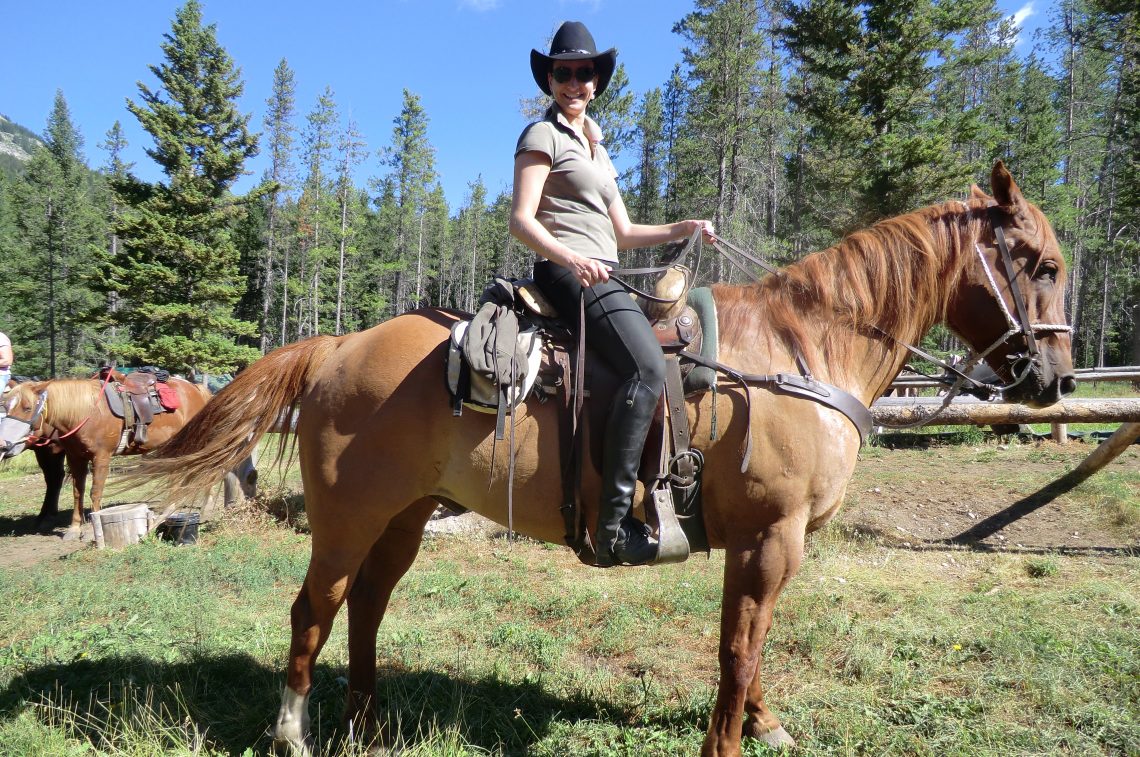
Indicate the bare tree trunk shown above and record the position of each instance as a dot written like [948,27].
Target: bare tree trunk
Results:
[340,265]
[474,248]
[1103,314]
[285,298]
[420,263]
[267,284]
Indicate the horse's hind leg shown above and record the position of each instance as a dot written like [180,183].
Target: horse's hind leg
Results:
[337,554]
[387,562]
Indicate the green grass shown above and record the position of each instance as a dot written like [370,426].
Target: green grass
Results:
[18,467]
[499,648]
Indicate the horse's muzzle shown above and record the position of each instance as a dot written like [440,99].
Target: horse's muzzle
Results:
[1042,385]
[13,437]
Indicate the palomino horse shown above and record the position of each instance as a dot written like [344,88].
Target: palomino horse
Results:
[50,459]
[73,417]
[379,445]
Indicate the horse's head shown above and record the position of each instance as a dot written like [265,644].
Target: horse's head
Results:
[1010,304]
[24,405]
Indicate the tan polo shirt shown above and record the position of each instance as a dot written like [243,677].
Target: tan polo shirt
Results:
[578,193]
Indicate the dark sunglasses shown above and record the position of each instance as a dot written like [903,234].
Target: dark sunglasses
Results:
[584,75]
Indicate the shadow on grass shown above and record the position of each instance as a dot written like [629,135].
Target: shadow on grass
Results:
[25,525]
[232,700]
[974,537]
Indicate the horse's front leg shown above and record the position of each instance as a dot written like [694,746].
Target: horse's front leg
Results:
[51,464]
[78,466]
[756,570]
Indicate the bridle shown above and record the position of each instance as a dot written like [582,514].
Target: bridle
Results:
[29,437]
[1021,364]
[40,414]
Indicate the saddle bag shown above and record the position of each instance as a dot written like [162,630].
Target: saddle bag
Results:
[477,389]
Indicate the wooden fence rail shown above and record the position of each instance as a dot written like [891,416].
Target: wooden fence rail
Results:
[1111,373]
[966,411]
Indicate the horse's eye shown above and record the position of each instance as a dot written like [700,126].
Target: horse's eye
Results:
[1048,271]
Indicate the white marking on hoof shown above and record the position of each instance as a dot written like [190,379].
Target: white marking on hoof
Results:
[778,738]
[72,533]
[292,729]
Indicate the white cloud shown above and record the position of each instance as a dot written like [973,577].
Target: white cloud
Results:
[1023,13]
[479,6]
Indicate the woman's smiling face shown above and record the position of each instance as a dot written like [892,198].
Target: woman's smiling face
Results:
[572,95]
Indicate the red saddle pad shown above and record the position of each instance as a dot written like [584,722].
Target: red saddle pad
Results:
[168,397]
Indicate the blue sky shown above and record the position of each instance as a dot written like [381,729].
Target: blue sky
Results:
[466,59]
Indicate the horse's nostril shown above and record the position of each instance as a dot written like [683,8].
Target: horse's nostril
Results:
[1068,384]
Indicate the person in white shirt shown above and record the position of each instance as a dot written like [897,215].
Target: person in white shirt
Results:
[5,361]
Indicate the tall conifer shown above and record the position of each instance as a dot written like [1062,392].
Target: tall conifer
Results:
[178,272]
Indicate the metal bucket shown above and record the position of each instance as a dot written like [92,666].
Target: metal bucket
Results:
[180,528]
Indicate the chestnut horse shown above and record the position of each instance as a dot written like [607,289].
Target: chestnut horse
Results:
[379,445]
[74,418]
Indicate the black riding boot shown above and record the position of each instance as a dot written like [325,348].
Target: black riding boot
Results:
[620,537]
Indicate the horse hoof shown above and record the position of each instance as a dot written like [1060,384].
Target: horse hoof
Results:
[776,738]
[291,748]
[72,534]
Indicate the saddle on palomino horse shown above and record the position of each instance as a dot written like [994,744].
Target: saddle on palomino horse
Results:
[518,347]
[136,397]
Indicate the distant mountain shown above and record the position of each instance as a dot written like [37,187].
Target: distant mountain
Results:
[17,144]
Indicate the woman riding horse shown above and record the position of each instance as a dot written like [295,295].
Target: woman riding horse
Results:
[567,208]
[379,445]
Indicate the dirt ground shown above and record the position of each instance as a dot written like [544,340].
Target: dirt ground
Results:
[988,497]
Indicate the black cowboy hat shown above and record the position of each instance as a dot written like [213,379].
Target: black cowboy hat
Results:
[573,41]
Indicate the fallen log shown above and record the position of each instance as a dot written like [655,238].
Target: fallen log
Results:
[967,411]
[1108,449]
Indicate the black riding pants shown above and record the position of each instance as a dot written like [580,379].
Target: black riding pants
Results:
[616,329]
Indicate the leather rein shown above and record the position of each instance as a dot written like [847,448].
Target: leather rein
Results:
[805,386]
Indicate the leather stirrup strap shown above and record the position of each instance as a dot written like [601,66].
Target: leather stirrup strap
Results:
[678,421]
[583,532]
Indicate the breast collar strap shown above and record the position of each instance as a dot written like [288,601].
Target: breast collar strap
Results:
[804,387]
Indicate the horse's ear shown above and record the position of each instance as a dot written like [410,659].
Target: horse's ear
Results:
[1006,191]
[976,193]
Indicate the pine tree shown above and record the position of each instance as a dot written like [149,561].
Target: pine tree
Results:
[317,216]
[411,161]
[59,236]
[613,111]
[351,149]
[471,241]
[1125,238]
[874,143]
[1087,87]
[674,105]
[280,176]
[723,49]
[178,272]
[646,201]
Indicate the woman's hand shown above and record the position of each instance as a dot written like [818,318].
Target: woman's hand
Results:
[588,271]
[693,225]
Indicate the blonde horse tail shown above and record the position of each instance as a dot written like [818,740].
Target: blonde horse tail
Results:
[228,428]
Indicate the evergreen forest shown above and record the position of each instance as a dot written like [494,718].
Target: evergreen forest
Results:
[786,122]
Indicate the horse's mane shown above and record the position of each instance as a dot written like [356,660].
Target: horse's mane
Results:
[69,400]
[893,276]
